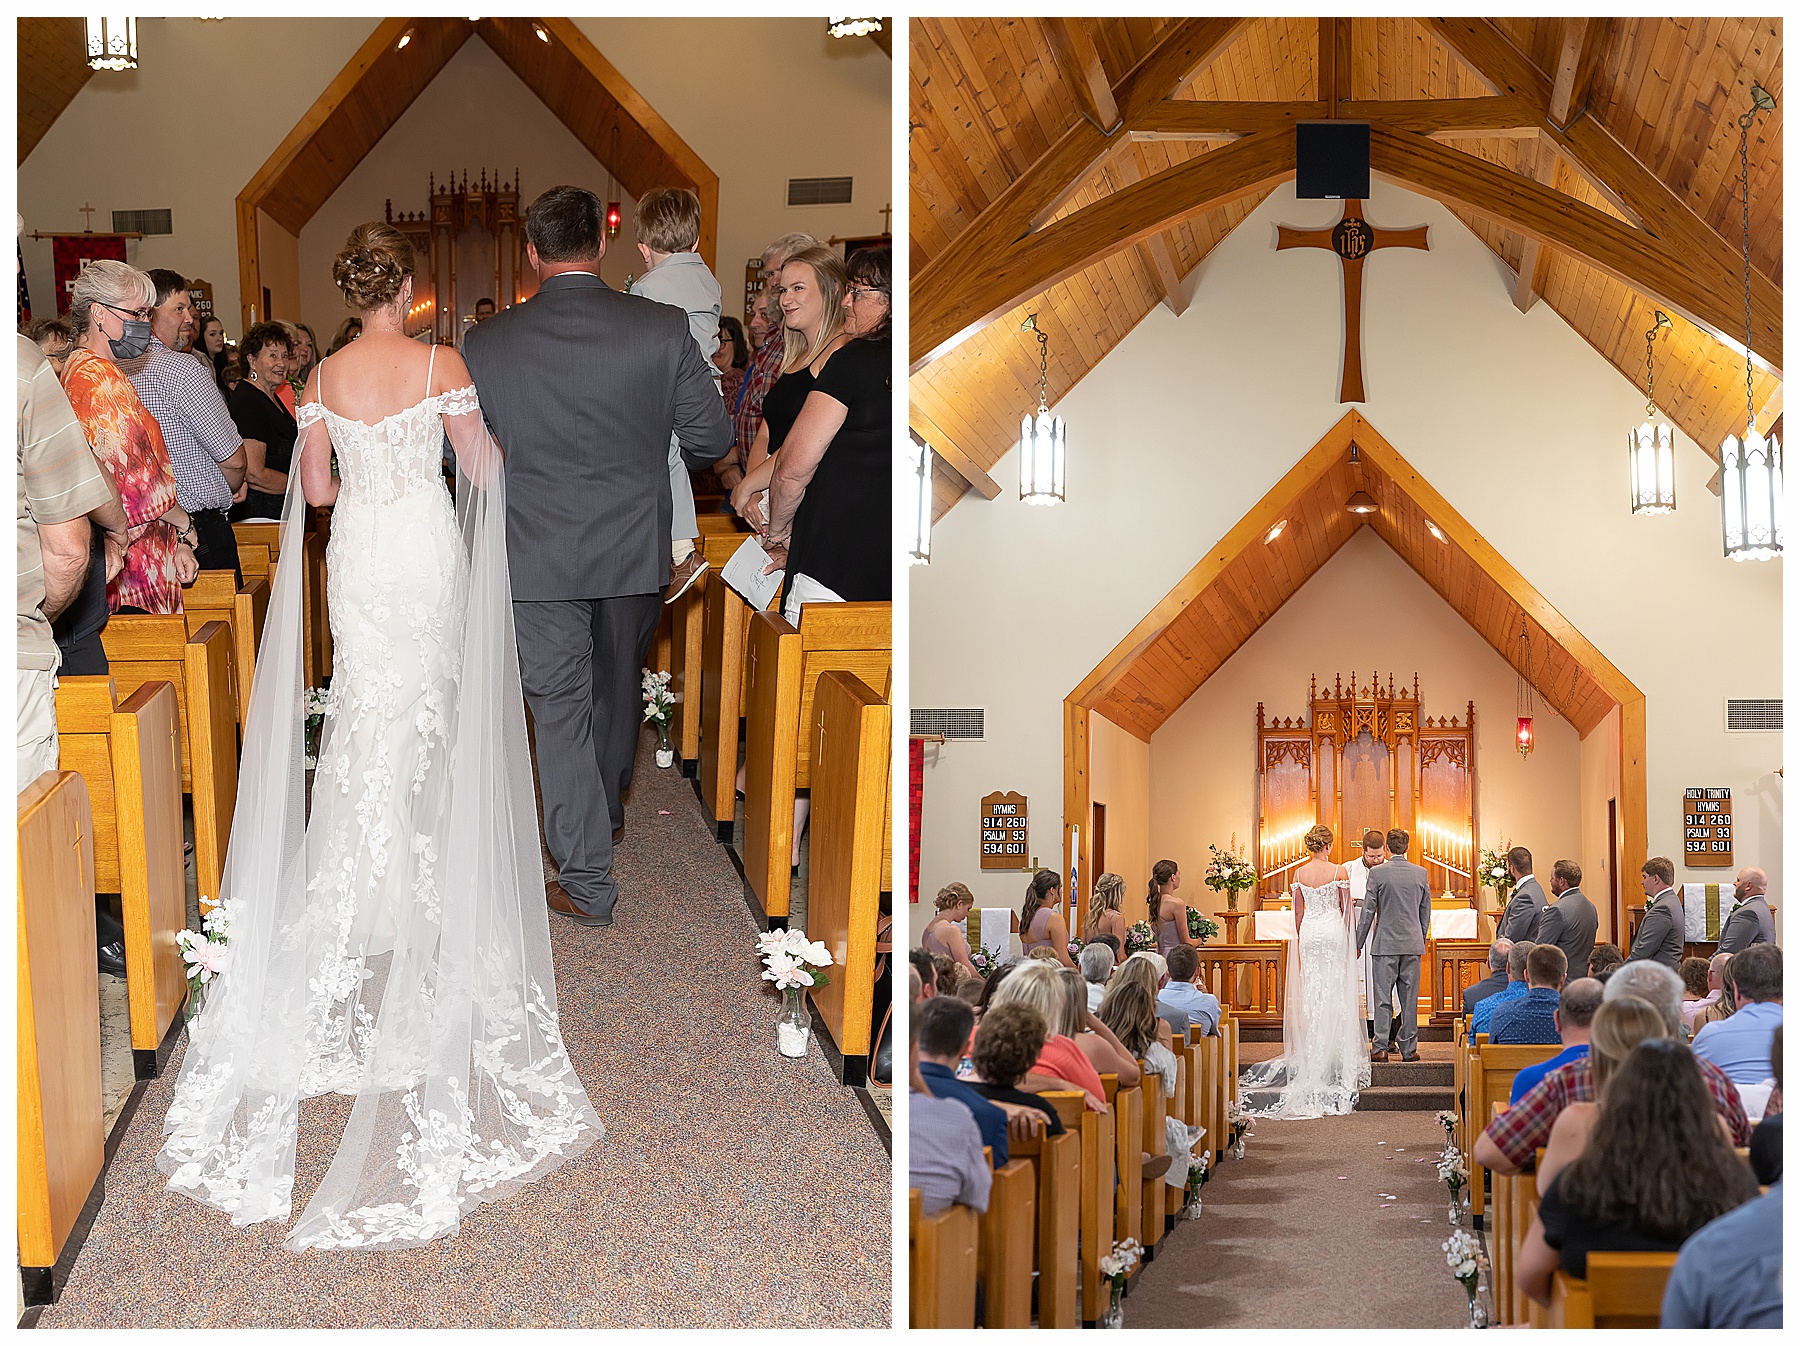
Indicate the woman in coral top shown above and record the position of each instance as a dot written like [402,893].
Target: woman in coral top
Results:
[110,312]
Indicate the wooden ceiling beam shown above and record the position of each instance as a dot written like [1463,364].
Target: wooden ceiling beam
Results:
[942,311]
[1126,169]
[930,433]
[1583,43]
[1502,115]
[1670,276]
[1072,43]
[1540,166]
[1188,119]
[1332,72]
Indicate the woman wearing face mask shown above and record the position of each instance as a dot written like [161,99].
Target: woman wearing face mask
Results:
[109,310]
[263,419]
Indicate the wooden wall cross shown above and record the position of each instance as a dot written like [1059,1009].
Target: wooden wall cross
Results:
[1352,238]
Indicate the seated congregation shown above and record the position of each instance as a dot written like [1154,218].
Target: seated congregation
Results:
[1063,1115]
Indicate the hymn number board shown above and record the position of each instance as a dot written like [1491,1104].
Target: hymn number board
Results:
[1706,826]
[1004,824]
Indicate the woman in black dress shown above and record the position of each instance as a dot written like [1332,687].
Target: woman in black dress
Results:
[832,486]
[264,421]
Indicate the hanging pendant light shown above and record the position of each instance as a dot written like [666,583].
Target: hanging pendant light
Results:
[1042,451]
[919,553]
[112,44]
[853,27]
[1652,444]
[1751,462]
[1526,703]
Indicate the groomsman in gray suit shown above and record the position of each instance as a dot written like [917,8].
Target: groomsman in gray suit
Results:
[1520,919]
[583,386]
[1398,905]
[1663,930]
[1570,922]
[1752,922]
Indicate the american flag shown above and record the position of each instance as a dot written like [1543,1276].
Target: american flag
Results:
[24,290]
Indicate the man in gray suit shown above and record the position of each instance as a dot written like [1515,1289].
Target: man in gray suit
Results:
[1570,922]
[1526,905]
[1752,922]
[1664,927]
[1398,905]
[583,386]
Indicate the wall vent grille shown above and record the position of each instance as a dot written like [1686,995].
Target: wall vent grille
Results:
[967,724]
[819,191]
[1747,716]
[142,222]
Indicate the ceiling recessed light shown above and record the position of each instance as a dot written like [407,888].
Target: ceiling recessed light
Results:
[405,37]
[543,34]
[1275,532]
[1361,503]
[1435,531]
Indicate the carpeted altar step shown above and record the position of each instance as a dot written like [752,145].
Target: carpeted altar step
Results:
[1408,1086]
[1272,1033]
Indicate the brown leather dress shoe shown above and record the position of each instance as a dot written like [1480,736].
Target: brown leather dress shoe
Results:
[559,901]
[682,577]
[1373,1056]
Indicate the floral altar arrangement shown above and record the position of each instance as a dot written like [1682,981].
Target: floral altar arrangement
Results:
[659,705]
[1115,1269]
[1464,1261]
[1229,873]
[1493,873]
[1200,927]
[205,954]
[793,963]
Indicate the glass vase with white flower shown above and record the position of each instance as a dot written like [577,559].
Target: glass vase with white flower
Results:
[795,964]
[659,708]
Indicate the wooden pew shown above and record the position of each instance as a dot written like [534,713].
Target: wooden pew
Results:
[1155,1141]
[943,1250]
[725,636]
[128,755]
[1209,1051]
[214,596]
[255,562]
[316,614]
[257,535]
[785,665]
[1098,1165]
[1128,1135]
[61,1116]
[1491,1071]
[851,748]
[1621,1290]
[1008,1227]
[159,649]
[1056,1256]
[1503,1244]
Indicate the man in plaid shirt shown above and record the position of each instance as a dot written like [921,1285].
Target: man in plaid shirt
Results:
[1512,1140]
[765,367]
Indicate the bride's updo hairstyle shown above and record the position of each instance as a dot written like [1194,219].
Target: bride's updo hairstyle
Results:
[375,262]
[1319,840]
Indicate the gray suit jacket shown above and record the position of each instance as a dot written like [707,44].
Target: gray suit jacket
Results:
[1571,924]
[1662,933]
[1523,910]
[1397,903]
[1751,923]
[583,386]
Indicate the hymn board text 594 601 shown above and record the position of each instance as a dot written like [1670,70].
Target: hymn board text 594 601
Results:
[1005,825]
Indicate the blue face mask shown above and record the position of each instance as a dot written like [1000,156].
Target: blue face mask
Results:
[134,340]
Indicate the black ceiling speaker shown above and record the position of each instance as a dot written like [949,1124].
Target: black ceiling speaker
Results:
[1331,161]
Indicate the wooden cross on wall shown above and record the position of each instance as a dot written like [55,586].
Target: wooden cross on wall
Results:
[1352,238]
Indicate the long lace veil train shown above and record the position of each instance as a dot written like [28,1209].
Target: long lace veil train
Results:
[464,1091]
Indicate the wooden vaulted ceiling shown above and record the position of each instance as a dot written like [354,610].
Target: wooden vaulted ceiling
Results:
[1244,579]
[52,68]
[1082,168]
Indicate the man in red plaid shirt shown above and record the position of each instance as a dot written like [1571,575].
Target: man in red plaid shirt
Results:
[1512,1140]
[765,366]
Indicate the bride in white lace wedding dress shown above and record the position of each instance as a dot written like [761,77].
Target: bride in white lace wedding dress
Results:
[394,946]
[1324,1061]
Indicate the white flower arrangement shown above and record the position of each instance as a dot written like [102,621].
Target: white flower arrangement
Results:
[315,701]
[1463,1259]
[1117,1264]
[659,701]
[206,955]
[1228,872]
[790,959]
[1452,1169]
[1447,1120]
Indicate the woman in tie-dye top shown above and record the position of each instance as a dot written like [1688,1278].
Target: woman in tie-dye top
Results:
[127,440]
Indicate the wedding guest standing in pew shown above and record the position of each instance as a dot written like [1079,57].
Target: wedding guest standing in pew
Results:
[1752,922]
[204,448]
[263,420]
[1654,1171]
[110,308]
[769,335]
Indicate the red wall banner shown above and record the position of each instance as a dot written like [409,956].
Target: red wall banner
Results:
[74,251]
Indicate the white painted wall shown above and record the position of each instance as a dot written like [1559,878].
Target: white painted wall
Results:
[1203,761]
[1513,417]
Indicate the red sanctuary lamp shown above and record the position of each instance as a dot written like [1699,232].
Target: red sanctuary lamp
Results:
[1524,736]
[613,219]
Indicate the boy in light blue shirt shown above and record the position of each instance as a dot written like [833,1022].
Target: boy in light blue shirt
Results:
[668,229]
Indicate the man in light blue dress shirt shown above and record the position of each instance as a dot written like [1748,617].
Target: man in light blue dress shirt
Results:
[1739,1046]
[1200,1006]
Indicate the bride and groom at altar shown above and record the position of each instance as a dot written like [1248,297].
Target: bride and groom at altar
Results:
[1325,1059]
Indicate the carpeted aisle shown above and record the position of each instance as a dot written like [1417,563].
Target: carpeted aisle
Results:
[1282,1242]
[733,1188]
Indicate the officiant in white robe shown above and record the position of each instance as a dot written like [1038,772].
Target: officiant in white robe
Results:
[1358,869]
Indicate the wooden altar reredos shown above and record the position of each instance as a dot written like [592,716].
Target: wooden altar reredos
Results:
[1367,760]
[441,298]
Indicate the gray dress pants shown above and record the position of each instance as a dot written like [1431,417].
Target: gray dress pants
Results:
[581,665]
[1397,973]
